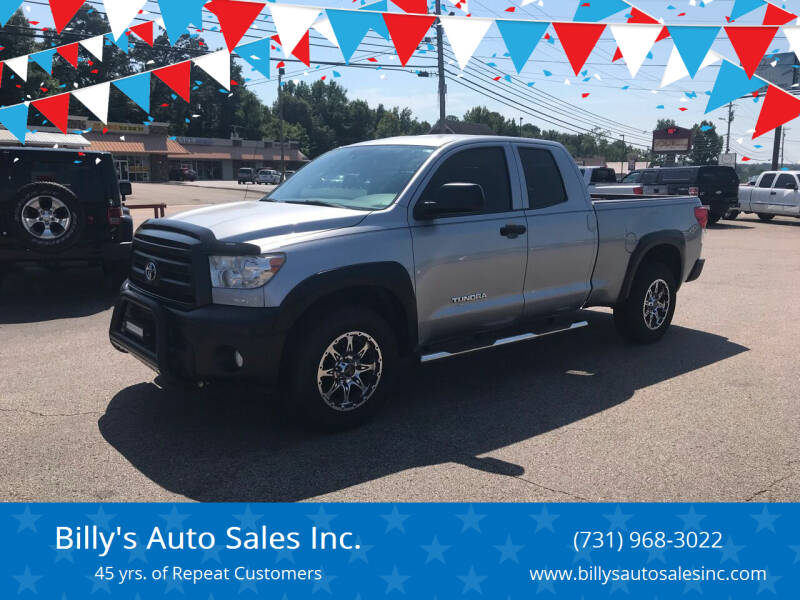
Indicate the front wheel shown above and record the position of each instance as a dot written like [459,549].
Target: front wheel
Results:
[765,217]
[646,314]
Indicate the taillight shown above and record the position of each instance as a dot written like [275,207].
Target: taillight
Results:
[638,190]
[694,191]
[701,214]
[114,215]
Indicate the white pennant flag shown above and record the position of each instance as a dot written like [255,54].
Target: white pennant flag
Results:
[465,35]
[325,29]
[95,98]
[292,23]
[217,65]
[120,13]
[635,42]
[94,46]
[19,65]
[676,70]
[793,35]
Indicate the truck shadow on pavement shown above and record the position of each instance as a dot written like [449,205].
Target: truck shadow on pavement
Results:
[230,444]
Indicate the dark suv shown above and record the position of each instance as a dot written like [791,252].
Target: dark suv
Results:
[59,206]
[717,187]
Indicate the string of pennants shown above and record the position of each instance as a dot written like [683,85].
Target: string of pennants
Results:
[346,28]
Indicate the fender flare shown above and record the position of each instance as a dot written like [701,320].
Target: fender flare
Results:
[669,237]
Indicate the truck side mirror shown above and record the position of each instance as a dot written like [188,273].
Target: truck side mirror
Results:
[791,186]
[453,199]
[125,188]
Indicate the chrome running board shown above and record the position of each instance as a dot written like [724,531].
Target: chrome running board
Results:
[501,342]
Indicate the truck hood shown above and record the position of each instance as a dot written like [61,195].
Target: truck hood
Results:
[248,221]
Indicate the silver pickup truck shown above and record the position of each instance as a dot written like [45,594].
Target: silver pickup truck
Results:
[775,193]
[426,246]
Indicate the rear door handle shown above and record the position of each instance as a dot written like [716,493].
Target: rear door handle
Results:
[773,193]
[511,231]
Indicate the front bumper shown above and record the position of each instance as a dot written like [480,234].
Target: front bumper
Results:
[198,345]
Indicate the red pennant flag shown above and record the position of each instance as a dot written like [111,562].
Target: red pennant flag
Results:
[578,40]
[55,109]
[777,16]
[178,77]
[235,18]
[63,11]
[637,16]
[663,35]
[779,107]
[69,53]
[407,32]
[303,50]
[617,55]
[144,31]
[751,44]
[1,73]
[413,6]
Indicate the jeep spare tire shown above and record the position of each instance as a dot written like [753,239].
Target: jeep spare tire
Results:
[47,216]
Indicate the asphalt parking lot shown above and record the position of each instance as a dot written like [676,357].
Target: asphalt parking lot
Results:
[709,414]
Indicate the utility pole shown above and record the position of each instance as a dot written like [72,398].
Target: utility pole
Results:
[520,127]
[776,147]
[440,53]
[624,153]
[730,120]
[783,145]
[281,73]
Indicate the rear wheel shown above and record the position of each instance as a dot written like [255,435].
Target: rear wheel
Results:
[647,313]
[765,217]
[713,218]
[731,215]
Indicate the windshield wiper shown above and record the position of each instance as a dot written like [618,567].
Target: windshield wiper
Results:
[315,203]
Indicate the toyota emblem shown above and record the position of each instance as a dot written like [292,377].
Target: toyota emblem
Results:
[150,271]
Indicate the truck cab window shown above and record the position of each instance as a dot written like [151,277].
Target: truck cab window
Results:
[766,180]
[785,181]
[542,178]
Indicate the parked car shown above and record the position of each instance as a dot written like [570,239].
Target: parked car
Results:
[288,175]
[268,176]
[435,246]
[603,180]
[60,206]
[183,174]
[717,187]
[246,175]
[633,177]
[775,193]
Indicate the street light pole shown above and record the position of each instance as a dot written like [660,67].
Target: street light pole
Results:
[440,53]
[281,73]
[730,120]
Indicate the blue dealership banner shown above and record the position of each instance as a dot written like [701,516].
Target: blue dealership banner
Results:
[371,551]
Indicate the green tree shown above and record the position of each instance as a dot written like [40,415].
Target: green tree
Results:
[707,145]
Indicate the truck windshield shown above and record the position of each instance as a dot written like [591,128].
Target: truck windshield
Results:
[359,178]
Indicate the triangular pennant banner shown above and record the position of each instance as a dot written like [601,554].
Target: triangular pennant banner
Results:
[412,6]
[638,16]
[597,10]
[303,49]
[732,83]
[578,41]
[742,7]
[677,70]
[120,13]
[751,44]
[521,39]
[779,107]
[137,88]
[121,42]
[635,42]
[178,77]
[324,28]
[218,66]
[693,43]
[94,46]
[44,59]
[15,119]
[292,23]
[178,14]
[793,36]
[380,25]
[55,109]
[256,54]
[235,18]
[19,65]
[407,32]
[465,35]
[777,16]
[7,9]
[350,27]
[95,98]
[1,72]
[63,11]
[69,53]
[145,32]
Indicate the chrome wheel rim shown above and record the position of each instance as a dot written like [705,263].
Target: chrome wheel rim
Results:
[46,217]
[656,304]
[349,371]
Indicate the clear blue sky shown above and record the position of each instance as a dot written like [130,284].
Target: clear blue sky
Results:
[632,112]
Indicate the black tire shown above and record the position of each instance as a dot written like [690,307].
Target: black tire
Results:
[59,216]
[713,218]
[308,352]
[629,315]
[765,217]
[731,215]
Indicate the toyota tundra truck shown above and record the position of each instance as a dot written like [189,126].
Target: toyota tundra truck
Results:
[424,247]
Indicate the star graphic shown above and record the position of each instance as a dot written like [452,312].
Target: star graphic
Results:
[395,581]
[618,520]
[509,551]
[654,554]
[284,554]
[137,553]
[27,520]
[248,585]
[584,553]
[395,520]
[544,520]
[211,554]
[435,551]
[98,584]
[27,581]
[691,520]
[769,583]
[545,586]
[472,581]
[359,552]
[62,555]
[322,519]
[101,519]
[247,519]
[174,519]
[619,586]
[730,551]
[471,520]
[324,584]
[765,520]
[692,586]
[796,550]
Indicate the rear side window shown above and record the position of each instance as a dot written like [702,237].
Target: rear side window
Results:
[718,175]
[766,180]
[604,176]
[486,167]
[785,180]
[677,175]
[650,177]
[543,180]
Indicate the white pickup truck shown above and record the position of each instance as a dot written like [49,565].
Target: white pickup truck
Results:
[775,193]
[603,180]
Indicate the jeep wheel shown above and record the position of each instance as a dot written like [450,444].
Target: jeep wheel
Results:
[713,218]
[47,216]
[647,313]
[339,368]
[765,217]
[731,215]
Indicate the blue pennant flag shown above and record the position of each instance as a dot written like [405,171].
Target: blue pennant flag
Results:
[137,88]
[178,14]
[521,38]
[380,25]
[732,83]
[44,59]
[350,28]
[121,43]
[256,54]
[15,119]
[742,7]
[693,44]
[7,9]
[597,10]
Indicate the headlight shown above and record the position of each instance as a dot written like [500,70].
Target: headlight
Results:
[244,272]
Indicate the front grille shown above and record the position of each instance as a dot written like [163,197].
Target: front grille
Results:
[172,262]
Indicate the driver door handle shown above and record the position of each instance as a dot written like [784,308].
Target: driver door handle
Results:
[512,230]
